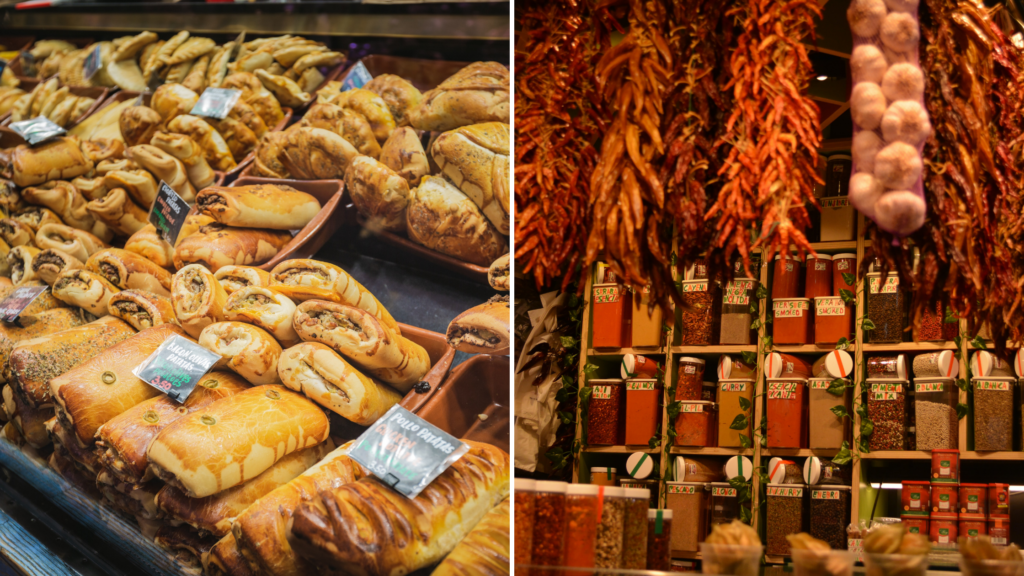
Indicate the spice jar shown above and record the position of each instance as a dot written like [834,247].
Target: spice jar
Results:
[688,502]
[886,304]
[608,543]
[604,476]
[819,276]
[944,498]
[582,506]
[940,364]
[887,409]
[659,538]
[945,466]
[973,499]
[835,364]
[833,320]
[709,392]
[650,485]
[829,429]
[787,411]
[999,531]
[943,528]
[786,512]
[830,507]
[698,469]
[637,366]
[937,424]
[634,531]
[729,407]
[825,472]
[972,526]
[690,383]
[998,500]
[993,413]
[700,313]
[695,424]
[646,325]
[725,505]
[934,327]
[894,366]
[985,363]
[524,513]
[915,524]
[548,523]
[786,276]
[792,323]
[736,315]
[612,315]
[843,264]
[734,368]
[777,365]
[643,410]
[916,497]
[606,415]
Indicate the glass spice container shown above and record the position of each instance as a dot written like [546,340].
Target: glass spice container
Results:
[943,528]
[688,501]
[887,409]
[652,485]
[993,413]
[787,412]
[604,476]
[819,276]
[524,514]
[793,322]
[894,366]
[690,383]
[829,429]
[643,410]
[612,315]
[606,414]
[999,531]
[646,324]
[729,407]
[938,426]
[736,315]
[695,424]
[786,515]
[582,507]
[634,531]
[608,546]
[886,308]
[973,499]
[659,537]
[843,264]
[700,313]
[725,505]
[944,498]
[786,276]
[833,320]
[998,500]
[548,523]
[945,466]
[830,507]
[777,365]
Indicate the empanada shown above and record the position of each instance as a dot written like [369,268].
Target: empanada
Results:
[380,194]
[287,91]
[215,245]
[148,243]
[190,49]
[272,206]
[198,298]
[234,278]
[247,350]
[215,149]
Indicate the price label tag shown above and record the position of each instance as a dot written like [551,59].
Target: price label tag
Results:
[37,130]
[176,367]
[405,451]
[168,213]
[19,299]
[357,77]
[216,103]
[92,63]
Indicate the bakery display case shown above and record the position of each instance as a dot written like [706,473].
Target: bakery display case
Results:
[236,240]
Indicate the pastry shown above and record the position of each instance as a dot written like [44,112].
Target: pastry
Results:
[486,550]
[122,164]
[198,299]
[247,115]
[308,80]
[30,422]
[477,93]
[77,243]
[483,329]
[64,199]
[138,183]
[129,49]
[404,154]
[135,500]
[176,74]
[202,453]
[349,124]
[48,263]
[171,101]
[267,162]
[35,325]
[476,159]
[234,278]
[19,263]
[215,149]
[101,149]
[249,351]
[58,159]
[127,75]
[138,124]
[193,222]
[240,139]
[43,48]
[141,309]
[190,49]
[444,219]
[10,199]
[90,188]
[169,47]
[498,274]
[286,91]
[148,243]
[256,95]
[398,94]
[256,60]
[224,559]
[276,207]
[51,101]
[316,154]
[372,107]
[218,68]
[43,93]
[119,212]
[85,289]
[301,279]
[85,460]
[290,55]
[380,194]
[148,59]
[215,245]
[191,156]
[188,546]
[16,233]
[127,270]
[65,469]
[317,59]
[164,167]
[381,352]
[35,216]
[265,308]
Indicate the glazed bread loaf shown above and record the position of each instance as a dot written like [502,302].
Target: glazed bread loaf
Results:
[477,93]
[476,159]
[485,551]
[275,207]
[444,219]
[215,245]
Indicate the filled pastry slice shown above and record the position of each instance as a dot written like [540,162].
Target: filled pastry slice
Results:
[498,275]
[215,245]
[19,263]
[85,289]
[247,350]
[132,499]
[483,329]
[266,308]
[141,309]
[148,243]
[276,207]
[486,549]
[237,277]
[224,559]
[77,243]
[86,460]
[128,270]
[16,233]
[198,299]
[30,422]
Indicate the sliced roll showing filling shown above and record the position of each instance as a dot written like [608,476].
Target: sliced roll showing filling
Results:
[135,499]
[483,329]
[19,262]
[198,298]
[50,262]
[128,270]
[77,243]
[247,350]
[141,309]
[266,308]
[85,289]
[237,277]
[187,545]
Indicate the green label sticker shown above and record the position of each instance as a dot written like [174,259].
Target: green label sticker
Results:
[915,530]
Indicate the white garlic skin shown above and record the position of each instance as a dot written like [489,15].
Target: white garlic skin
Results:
[899,31]
[901,212]
[867,105]
[903,82]
[866,145]
[906,121]
[898,166]
[902,5]
[865,191]
[866,17]
[868,64]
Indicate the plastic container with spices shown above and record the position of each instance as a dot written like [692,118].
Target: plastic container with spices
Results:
[943,529]
[646,324]
[786,276]
[688,502]
[916,497]
[938,426]
[548,523]
[972,526]
[634,531]
[729,407]
[700,313]
[945,466]
[612,315]
[695,424]
[524,500]
[843,264]
[833,320]
[725,505]
[837,219]
[736,316]
[940,364]
[582,506]
[829,429]
[998,500]
[819,276]
[886,308]
[606,414]
[730,367]
[637,366]
[945,498]
[830,507]
[690,382]
[659,538]
[709,392]
[698,469]
[643,412]
[984,363]
[793,322]
[887,408]
[915,524]
[825,472]
[604,476]
[973,499]
[649,484]
[608,543]
[993,413]
[835,364]
[777,365]
[894,366]
[934,327]
[787,413]
[837,178]
[999,531]
[787,511]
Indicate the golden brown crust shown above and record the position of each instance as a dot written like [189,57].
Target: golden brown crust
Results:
[444,219]
[372,107]
[138,124]
[91,188]
[49,263]
[215,149]
[171,101]
[240,139]
[164,167]
[59,159]
[268,156]
[265,308]
[141,309]
[198,298]
[483,329]
[77,243]
[246,349]
[398,93]
[224,559]
[84,289]
[349,124]
[237,277]
[485,551]
[64,199]
[100,149]
[403,153]
[254,94]
[139,183]
[215,245]
[476,159]
[187,545]
[380,194]
[128,270]
[190,154]
[247,115]
[148,243]
[16,232]
[36,325]
[118,212]
[317,154]
[19,262]
[499,274]
[276,207]
[477,93]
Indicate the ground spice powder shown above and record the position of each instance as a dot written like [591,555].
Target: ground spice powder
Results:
[524,513]
[548,525]
[634,530]
[582,507]
[606,415]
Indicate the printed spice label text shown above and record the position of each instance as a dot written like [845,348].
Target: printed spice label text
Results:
[695,287]
[991,385]
[606,294]
[641,386]
[843,264]
[672,489]
[834,202]
[692,408]
[886,391]
[733,387]
[738,292]
[820,384]
[784,491]
[825,494]
[782,390]
[729,492]
[929,386]
[820,265]
[602,392]
[892,285]
[790,308]
[830,307]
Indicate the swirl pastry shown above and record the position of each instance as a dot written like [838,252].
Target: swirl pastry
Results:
[215,245]
[498,275]
[191,156]
[141,309]
[16,233]
[198,299]
[270,206]
[36,216]
[108,166]
[91,188]
[84,289]
[126,270]
[119,212]
[237,277]
[302,279]
[148,243]
[100,149]
[64,199]
[266,308]
[77,243]
[47,264]
[249,351]
[19,262]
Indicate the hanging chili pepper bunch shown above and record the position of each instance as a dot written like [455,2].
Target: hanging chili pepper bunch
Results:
[773,133]
[559,117]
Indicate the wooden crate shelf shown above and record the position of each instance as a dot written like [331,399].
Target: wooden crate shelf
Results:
[818,349]
[621,449]
[695,451]
[652,351]
[908,347]
[720,349]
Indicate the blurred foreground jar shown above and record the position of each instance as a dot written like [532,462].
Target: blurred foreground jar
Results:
[659,537]
[548,523]
[608,547]
[582,506]
[524,516]
[634,529]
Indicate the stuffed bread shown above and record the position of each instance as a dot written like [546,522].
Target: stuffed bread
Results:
[133,499]
[476,159]
[51,262]
[498,275]
[138,183]
[246,349]
[198,299]
[266,308]
[64,199]
[17,233]
[128,270]
[36,216]
[485,550]
[444,219]
[186,544]
[141,309]
[379,193]
[148,243]
[191,155]
[215,245]
[19,262]
[34,326]
[85,289]
[237,277]
[275,207]
[86,460]
[74,476]
[77,243]
[60,158]
[30,422]
[477,93]
[164,167]
[224,559]
[483,329]
[403,153]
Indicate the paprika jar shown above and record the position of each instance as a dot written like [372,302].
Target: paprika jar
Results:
[938,426]
[604,476]
[634,530]
[943,529]
[688,502]
[606,413]
[637,366]
[916,497]
[730,368]
[972,526]
[945,498]
[916,524]
[646,323]
[945,466]
[833,320]
[690,383]
[830,507]
[787,513]
[887,409]
[993,413]
[886,308]
[737,319]
[787,413]
[709,392]
[934,327]
[549,523]
[843,264]
[612,314]
[700,313]
[777,365]
[973,499]
[524,512]
[730,406]
[643,410]
[582,507]
[818,276]
[792,324]
[694,425]
[659,540]
[829,429]
[725,505]
[894,366]
[608,543]
[786,276]
[998,500]
[999,531]
[835,364]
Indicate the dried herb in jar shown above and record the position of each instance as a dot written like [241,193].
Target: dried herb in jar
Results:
[830,507]
[659,538]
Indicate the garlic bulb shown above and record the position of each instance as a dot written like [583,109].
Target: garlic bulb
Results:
[865,16]
[902,5]
[867,105]
[866,145]
[898,166]
[867,63]
[865,190]
[903,82]
[900,211]
[906,121]
[899,32]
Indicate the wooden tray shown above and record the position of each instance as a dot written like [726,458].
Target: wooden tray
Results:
[97,93]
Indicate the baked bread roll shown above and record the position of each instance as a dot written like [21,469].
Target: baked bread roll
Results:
[10,199]
[135,500]
[19,263]
[237,277]
[100,149]
[148,243]
[224,559]
[16,233]
[276,207]
[85,460]
[483,329]
[6,282]
[269,152]
[249,351]
[141,309]
[215,149]
[126,270]
[30,422]
[477,93]
[349,124]
[218,68]
[476,159]
[284,89]
[138,124]
[127,75]
[77,243]
[214,514]
[104,386]
[85,289]
[139,184]
[498,275]
[444,219]
[193,222]
[122,441]
[381,352]
[486,550]
[119,212]
[107,166]
[129,49]
[203,453]
[247,115]
[34,325]
[47,264]
[90,188]
[372,107]
[33,363]
[355,527]
[188,546]
[256,95]
[171,101]
[215,245]
[198,298]
[301,279]
[326,378]
[266,308]
[65,469]
[65,200]
[316,154]
[380,194]
[398,94]
[240,139]
[148,59]
[404,154]
[191,156]
[164,167]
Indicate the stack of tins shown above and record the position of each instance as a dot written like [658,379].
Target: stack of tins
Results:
[820,314]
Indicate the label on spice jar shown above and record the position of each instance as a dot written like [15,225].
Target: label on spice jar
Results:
[830,307]
[606,294]
[790,308]
[972,532]
[601,392]
[915,500]
[727,492]
[695,287]
[892,285]
[999,540]
[991,385]
[782,390]
[834,202]
[738,292]
[929,386]
[944,468]
[820,384]
[692,408]
[915,530]
[689,369]
[886,391]
[819,265]
[785,491]
[734,387]
[676,489]
[825,494]
[843,264]
[641,386]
